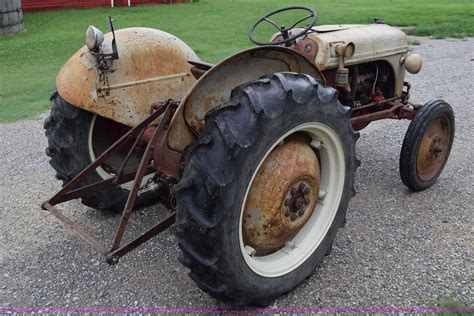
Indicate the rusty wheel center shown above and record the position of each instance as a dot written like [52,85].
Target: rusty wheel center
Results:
[433,148]
[436,148]
[281,198]
[297,201]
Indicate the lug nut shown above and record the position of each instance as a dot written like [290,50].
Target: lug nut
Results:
[299,202]
[307,200]
[287,213]
[293,191]
[301,212]
[306,190]
[293,217]
[301,186]
[287,202]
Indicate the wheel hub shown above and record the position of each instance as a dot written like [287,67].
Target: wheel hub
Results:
[433,148]
[297,201]
[282,197]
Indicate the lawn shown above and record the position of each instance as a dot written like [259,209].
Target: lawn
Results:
[213,28]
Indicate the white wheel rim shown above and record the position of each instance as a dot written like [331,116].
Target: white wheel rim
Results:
[303,245]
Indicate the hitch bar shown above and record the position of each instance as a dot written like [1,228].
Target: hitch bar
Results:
[70,190]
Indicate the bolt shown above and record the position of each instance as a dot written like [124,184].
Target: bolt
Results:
[293,217]
[250,251]
[322,194]
[316,143]
[290,245]
[299,202]
[301,186]
[306,190]
[307,200]
[301,212]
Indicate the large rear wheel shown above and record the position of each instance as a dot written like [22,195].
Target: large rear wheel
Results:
[265,188]
[75,139]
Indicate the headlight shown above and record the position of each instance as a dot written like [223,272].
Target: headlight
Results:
[412,63]
[94,37]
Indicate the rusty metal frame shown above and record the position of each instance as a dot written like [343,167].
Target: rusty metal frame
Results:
[392,108]
[70,190]
[158,158]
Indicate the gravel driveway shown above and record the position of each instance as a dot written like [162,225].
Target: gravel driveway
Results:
[398,248]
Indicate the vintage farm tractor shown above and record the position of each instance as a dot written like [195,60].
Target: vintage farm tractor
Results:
[254,156]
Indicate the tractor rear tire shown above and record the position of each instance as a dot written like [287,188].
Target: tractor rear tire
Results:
[431,130]
[67,129]
[221,166]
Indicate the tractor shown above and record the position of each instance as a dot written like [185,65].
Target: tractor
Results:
[254,157]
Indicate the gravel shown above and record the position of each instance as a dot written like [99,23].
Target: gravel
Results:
[398,248]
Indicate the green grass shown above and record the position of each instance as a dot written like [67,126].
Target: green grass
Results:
[453,304]
[213,28]
[414,42]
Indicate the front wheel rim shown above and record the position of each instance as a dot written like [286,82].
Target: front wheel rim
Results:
[297,250]
[434,148]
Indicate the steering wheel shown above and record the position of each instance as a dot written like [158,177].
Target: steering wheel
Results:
[284,31]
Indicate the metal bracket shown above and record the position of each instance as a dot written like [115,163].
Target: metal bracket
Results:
[70,191]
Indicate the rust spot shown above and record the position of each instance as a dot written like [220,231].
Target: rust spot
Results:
[433,148]
[215,86]
[266,226]
[144,54]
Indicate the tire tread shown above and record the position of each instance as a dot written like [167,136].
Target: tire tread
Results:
[205,175]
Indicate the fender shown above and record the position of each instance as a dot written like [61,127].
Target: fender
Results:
[215,86]
[152,66]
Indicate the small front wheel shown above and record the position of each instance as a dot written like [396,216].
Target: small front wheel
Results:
[427,145]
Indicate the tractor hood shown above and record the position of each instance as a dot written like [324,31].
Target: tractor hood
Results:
[372,42]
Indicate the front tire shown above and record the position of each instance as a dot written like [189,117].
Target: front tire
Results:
[427,145]
[71,142]
[283,115]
